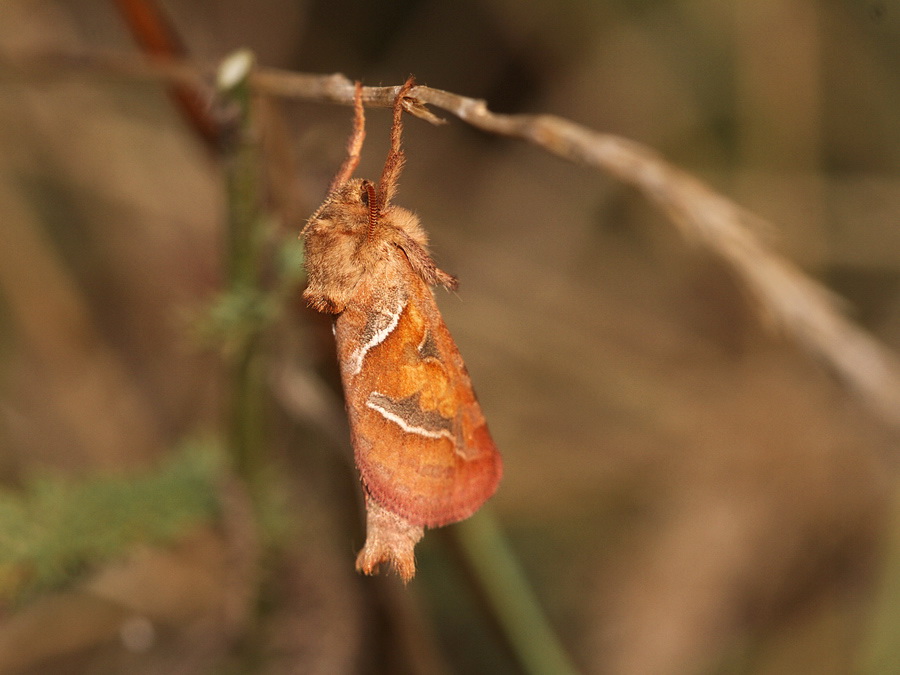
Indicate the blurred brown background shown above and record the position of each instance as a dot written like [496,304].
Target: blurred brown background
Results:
[687,493]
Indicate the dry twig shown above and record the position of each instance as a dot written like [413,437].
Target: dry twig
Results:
[788,299]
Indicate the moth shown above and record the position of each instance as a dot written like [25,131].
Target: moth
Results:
[421,443]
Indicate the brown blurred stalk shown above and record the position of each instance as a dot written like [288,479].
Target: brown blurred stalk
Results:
[156,36]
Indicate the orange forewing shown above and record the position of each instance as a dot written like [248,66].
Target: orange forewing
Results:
[421,442]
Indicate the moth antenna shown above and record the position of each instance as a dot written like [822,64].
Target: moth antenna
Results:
[387,186]
[372,200]
[355,143]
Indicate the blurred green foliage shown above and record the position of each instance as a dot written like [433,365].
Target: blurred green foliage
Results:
[55,529]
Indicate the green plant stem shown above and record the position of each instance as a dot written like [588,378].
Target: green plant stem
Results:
[246,432]
[243,190]
[502,583]
[880,651]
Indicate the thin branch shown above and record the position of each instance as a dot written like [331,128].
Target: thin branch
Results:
[789,300]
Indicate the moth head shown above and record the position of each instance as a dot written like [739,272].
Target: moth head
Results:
[332,238]
[345,209]
[357,210]
[354,234]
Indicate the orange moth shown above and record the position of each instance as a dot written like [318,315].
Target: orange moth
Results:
[421,443]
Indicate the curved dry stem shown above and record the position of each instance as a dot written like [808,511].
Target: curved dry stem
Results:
[788,300]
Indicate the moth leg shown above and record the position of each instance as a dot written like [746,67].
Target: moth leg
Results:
[393,165]
[423,264]
[355,143]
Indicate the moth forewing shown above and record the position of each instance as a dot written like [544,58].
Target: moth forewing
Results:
[421,442]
